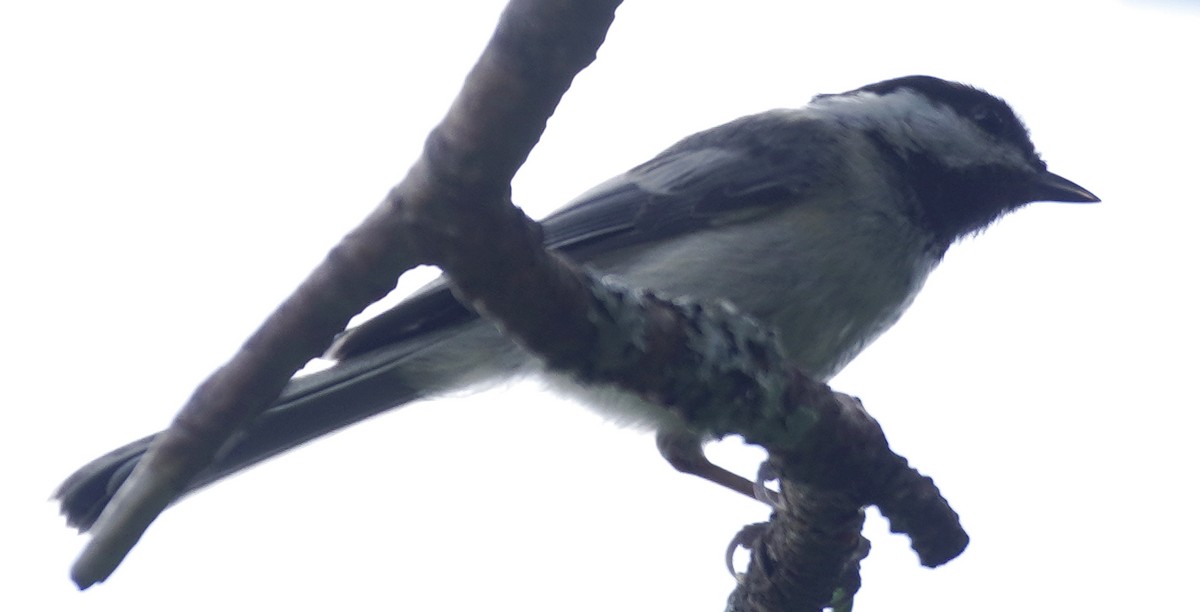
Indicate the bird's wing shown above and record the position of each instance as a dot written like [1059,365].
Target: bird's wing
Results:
[675,193]
[713,178]
[726,175]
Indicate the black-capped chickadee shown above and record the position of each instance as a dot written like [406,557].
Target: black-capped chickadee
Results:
[822,222]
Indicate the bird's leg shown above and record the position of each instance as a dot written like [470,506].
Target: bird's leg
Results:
[685,452]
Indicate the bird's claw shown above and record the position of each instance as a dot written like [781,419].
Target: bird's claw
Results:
[770,497]
[746,538]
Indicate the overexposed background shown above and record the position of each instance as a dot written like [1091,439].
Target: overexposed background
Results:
[169,172]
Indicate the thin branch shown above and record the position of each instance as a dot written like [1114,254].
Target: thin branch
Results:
[547,42]
[812,547]
[716,369]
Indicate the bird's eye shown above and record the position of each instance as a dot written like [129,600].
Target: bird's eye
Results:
[988,118]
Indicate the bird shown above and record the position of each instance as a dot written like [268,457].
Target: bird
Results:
[822,222]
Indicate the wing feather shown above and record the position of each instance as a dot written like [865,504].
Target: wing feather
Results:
[728,174]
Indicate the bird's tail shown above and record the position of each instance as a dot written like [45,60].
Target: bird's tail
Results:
[310,406]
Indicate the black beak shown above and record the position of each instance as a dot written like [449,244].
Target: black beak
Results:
[1050,187]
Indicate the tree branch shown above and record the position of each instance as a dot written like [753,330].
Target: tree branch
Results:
[718,370]
[813,544]
[544,43]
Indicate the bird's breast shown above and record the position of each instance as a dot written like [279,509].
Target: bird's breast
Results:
[830,279]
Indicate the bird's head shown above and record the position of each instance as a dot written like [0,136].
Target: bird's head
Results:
[965,155]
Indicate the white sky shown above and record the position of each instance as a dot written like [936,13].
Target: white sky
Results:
[168,174]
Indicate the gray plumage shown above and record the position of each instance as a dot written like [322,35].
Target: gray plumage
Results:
[823,222]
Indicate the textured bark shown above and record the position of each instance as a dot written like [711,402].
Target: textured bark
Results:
[715,368]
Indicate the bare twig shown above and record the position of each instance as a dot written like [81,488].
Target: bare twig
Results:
[546,42]
[718,370]
[812,546]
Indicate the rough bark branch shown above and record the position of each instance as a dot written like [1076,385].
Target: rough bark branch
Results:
[715,368]
[486,136]
[812,546]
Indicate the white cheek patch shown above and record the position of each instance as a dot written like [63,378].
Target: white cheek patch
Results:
[909,122]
